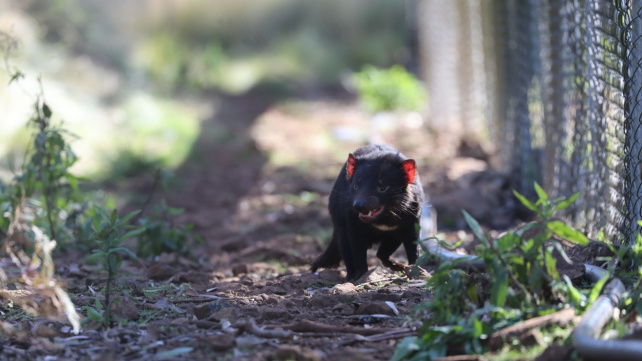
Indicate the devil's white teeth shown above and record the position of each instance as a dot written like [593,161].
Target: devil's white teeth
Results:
[370,213]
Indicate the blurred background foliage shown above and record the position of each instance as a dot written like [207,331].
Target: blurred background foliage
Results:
[233,48]
[131,78]
[389,89]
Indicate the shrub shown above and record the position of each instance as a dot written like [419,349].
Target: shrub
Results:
[389,89]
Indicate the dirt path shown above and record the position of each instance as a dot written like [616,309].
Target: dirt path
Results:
[256,188]
[264,224]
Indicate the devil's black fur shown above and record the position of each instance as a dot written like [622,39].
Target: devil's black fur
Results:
[376,199]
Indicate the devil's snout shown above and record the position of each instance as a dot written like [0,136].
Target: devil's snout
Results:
[365,204]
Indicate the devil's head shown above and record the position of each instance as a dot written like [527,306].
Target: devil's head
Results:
[379,186]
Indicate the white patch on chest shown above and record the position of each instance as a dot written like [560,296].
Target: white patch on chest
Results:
[384,227]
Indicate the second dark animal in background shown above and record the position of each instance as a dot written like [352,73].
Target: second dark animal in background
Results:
[376,199]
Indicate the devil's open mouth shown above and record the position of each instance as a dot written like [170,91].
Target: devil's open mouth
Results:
[370,215]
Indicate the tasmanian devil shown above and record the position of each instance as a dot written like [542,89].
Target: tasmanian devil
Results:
[376,199]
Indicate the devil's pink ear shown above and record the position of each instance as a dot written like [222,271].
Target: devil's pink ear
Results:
[351,164]
[410,168]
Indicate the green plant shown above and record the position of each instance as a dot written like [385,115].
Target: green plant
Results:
[31,205]
[97,312]
[44,183]
[414,348]
[42,207]
[109,236]
[389,89]
[626,265]
[161,235]
[523,260]
[522,282]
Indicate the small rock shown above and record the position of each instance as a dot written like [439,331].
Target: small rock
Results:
[160,271]
[230,314]
[239,269]
[206,325]
[375,275]
[274,313]
[249,341]
[247,281]
[165,304]
[205,311]
[343,310]
[323,301]
[394,297]
[412,293]
[260,298]
[344,289]
[330,275]
[202,311]
[222,342]
[179,321]
[296,353]
[375,308]
[193,277]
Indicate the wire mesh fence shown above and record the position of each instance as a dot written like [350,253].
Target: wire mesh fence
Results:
[563,86]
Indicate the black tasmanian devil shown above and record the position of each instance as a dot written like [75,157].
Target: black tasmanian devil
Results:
[376,199]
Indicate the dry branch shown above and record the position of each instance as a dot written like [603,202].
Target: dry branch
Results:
[392,335]
[561,318]
[250,327]
[311,326]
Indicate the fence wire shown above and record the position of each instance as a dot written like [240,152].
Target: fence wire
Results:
[563,84]
[572,107]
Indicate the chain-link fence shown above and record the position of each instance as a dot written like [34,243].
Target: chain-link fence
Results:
[563,86]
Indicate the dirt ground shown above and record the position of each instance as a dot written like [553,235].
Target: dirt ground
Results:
[256,189]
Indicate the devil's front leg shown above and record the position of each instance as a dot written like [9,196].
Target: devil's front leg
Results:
[407,235]
[387,247]
[356,265]
[410,238]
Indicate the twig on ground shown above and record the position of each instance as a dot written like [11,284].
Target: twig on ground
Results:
[195,300]
[562,318]
[391,335]
[315,327]
[250,327]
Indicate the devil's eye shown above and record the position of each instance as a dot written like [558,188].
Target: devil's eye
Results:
[382,188]
[355,186]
